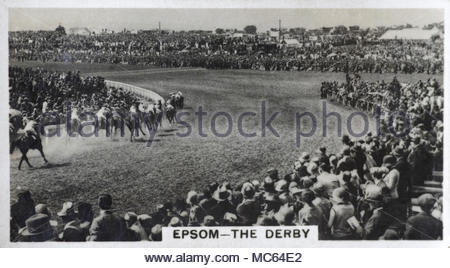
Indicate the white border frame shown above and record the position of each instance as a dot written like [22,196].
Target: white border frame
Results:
[4,152]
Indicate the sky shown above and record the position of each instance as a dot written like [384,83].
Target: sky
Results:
[210,19]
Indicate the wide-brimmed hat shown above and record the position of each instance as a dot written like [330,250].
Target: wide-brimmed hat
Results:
[36,225]
[67,210]
[72,232]
[222,193]
[248,190]
[191,197]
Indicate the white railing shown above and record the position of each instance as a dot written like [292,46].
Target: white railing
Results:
[138,91]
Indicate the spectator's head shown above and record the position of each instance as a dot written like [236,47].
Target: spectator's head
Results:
[38,229]
[390,234]
[281,186]
[373,194]
[191,198]
[222,193]
[72,233]
[388,161]
[273,173]
[268,185]
[175,222]
[146,222]
[130,218]
[426,202]
[156,234]
[248,191]
[304,158]
[42,209]
[340,195]
[346,176]
[208,220]
[324,167]
[256,185]
[319,189]
[24,196]
[285,215]
[67,213]
[105,201]
[85,213]
[230,219]
[265,220]
[307,196]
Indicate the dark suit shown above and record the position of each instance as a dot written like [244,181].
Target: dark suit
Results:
[423,226]
[107,227]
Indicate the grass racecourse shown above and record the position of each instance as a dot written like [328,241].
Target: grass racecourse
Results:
[139,176]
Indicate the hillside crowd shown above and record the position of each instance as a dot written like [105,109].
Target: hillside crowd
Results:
[207,50]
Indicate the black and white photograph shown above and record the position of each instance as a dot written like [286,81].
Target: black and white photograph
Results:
[316,124]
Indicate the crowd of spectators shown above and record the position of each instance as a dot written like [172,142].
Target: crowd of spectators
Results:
[37,91]
[207,50]
[362,192]
[414,109]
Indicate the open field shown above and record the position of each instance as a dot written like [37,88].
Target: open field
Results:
[140,176]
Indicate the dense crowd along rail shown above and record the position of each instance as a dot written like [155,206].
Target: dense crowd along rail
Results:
[352,52]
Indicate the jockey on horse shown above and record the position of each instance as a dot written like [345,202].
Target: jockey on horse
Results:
[26,138]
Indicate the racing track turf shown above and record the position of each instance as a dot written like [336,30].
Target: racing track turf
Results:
[139,177]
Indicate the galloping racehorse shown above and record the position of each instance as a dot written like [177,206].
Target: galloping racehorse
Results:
[25,139]
[129,119]
[171,113]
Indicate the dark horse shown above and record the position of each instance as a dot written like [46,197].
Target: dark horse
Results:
[25,141]
[131,120]
[171,113]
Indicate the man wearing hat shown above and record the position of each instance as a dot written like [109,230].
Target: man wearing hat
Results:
[311,214]
[223,205]
[392,177]
[248,210]
[37,229]
[323,157]
[273,173]
[23,208]
[107,226]
[404,181]
[328,180]
[424,226]
[377,219]
[419,159]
